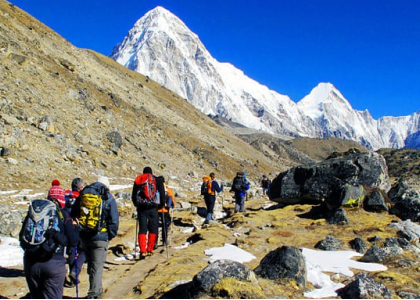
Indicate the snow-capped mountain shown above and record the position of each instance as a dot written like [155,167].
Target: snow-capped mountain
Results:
[162,47]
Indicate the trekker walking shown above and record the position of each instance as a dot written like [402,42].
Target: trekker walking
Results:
[97,213]
[208,190]
[240,185]
[146,197]
[265,184]
[44,263]
[57,192]
[164,213]
[70,196]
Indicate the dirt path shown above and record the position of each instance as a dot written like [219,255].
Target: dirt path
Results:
[120,278]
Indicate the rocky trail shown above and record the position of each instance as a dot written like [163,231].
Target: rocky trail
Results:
[120,278]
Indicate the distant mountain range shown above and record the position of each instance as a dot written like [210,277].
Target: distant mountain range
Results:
[162,47]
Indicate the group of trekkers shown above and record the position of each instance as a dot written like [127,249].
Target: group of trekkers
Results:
[240,186]
[75,226]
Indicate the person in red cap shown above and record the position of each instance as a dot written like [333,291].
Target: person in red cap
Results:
[57,192]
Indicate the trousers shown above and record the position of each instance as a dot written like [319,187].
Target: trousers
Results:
[95,252]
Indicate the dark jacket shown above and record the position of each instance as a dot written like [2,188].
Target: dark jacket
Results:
[110,216]
[215,188]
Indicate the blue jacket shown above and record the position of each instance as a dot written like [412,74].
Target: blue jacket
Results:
[110,214]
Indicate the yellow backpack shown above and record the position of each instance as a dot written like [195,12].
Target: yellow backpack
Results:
[91,209]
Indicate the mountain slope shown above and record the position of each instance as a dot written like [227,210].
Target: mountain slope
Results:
[68,112]
[161,46]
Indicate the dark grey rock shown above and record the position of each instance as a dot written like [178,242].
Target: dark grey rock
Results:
[375,254]
[337,217]
[326,181]
[285,262]
[375,202]
[359,245]
[204,281]
[407,209]
[330,243]
[397,191]
[364,287]
[351,196]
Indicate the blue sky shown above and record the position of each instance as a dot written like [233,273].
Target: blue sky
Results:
[369,49]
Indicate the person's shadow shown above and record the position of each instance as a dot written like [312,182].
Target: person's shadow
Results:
[7,273]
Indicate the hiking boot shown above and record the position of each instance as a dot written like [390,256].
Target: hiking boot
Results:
[150,253]
[69,284]
[143,255]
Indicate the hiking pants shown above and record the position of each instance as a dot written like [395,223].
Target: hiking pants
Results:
[96,252]
[239,203]
[148,220]
[210,201]
[45,279]
[81,258]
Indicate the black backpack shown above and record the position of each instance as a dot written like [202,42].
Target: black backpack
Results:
[238,184]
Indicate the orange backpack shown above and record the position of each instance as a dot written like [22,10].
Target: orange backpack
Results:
[206,186]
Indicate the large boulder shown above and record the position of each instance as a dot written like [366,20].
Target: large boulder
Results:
[330,179]
[283,263]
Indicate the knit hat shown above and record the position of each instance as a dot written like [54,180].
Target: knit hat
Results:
[104,180]
[55,182]
[147,170]
[58,193]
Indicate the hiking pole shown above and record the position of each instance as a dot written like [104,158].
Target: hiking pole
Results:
[76,269]
[172,223]
[136,238]
[165,233]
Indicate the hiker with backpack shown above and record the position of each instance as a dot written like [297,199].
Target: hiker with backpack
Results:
[265,184]
[209,188]
[97,214]
[57,192]
[71,195]
[239,186]
[164,213]
[46,231]
[146,196]
[76,255]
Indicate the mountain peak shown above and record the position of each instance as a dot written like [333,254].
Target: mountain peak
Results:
[324,93]
[157,13]
[162,47]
